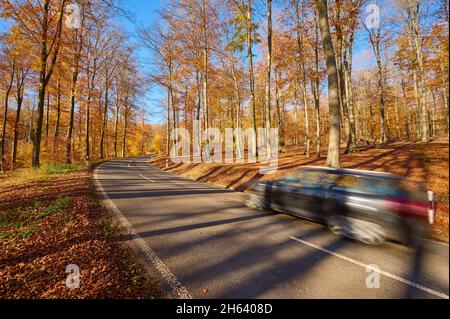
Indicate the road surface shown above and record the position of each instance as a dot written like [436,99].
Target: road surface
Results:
[205,243]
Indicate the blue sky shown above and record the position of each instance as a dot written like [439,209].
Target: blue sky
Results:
[144,13]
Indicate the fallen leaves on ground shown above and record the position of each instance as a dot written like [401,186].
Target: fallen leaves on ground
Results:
[48,224]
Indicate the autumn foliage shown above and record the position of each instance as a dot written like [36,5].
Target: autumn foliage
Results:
[77,92]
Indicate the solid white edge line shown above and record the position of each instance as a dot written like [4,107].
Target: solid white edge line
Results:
[385,273]
[176,287]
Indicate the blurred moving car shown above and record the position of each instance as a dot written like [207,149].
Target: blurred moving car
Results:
[370,207]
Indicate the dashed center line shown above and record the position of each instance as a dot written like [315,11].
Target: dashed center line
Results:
[136,166]
[149,179]
[385,273]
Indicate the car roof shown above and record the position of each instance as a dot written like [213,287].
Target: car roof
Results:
[346,171]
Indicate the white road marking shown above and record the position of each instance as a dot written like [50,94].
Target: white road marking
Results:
[165,273]
[149,179]
[135,166]
[385,273]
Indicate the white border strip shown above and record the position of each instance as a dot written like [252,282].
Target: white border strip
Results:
[175,286]
[385,273]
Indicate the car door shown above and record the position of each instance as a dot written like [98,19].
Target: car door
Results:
[298,195]
[330,197]
[277,196]
[352,198]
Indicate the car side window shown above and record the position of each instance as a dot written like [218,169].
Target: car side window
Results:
[347,182]
[310,179]
[328,180]
[382,187]
[291,182]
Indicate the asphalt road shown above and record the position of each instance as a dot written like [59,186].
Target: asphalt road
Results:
[205,243]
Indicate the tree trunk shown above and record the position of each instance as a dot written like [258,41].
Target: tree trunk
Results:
[305,105]
[433,115]
[279,112]
[58,117]
[372,133]
[418,102]
[124,136]
[238,111]
[20,82]
[249,21]
[116,123]
[198,151]
[39,120]
[343,116]
[268,107]
[168,124]
[104,121]
[375,40]
[333,158]
[316,83]
[69,136]
[30,124]
[405,109]
[317,115]
[388,122]
[296,120]
[445,85]
[45,75]
[5,116]
[47,118]
[88,117]
[302,74]
[361,128]
[351,142]
[205,68]
[419,54]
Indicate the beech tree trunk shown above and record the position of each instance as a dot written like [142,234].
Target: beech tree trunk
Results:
[249,21]
[46,70]
[268,107]
[333,158]
[5,115]
[20,88]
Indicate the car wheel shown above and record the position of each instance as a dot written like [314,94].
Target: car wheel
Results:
[366,232]
[338,225]
[257,202]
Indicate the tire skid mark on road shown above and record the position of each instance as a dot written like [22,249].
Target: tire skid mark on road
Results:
[176,287]
[361,264]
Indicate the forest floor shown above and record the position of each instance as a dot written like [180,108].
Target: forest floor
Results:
[427,164]
[51,218]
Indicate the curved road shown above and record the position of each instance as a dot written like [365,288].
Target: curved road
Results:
[203,242]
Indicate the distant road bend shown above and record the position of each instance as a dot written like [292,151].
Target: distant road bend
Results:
[205,243]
